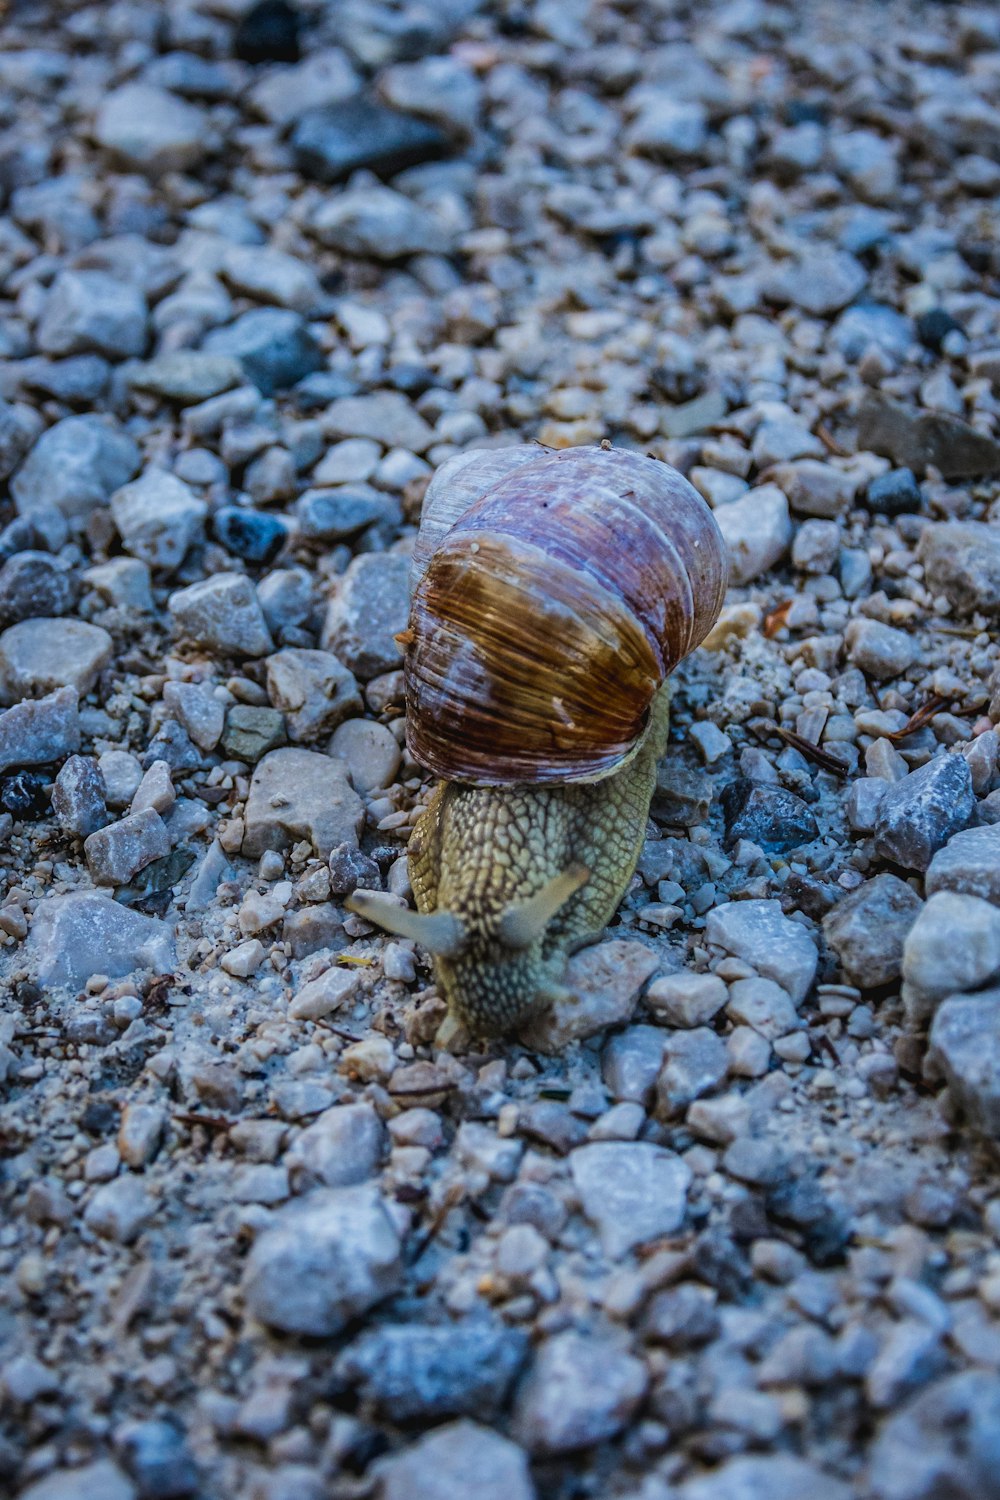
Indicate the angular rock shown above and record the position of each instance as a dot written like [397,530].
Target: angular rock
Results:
[325,1260]
[916,439]
[331,143]
[969,862]
[35,583]
[343,1146]
[223,613]
[694,1063]
[687,999]
[561,1408]
[299,794]
[776,946]
[604,982]
[116,853]
[954,945]
[78,797]
[456,1461]
[250,534]
[93,310]
[879,650]
[414,1371]
[196,708]
[38,731]
[868,927]
[74,467]
[252,732]
[158,517]
[314,690]
[370,608]
[273,345]
[757,531]
[961,560]
[632,1191]
[42,656]
[965,1049]
[919,814]
[772,817]
[151,130]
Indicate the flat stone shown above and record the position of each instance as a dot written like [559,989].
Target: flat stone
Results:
[867,929]
[414,1371]
[151,130]
[272,344]
[186,376]
[694,1063]
[969,862]
[760,934]
[93,311]
[324,1261]
[221,612]
[321,997]
[252,732]
[272,276]
[757,531]
[918,815]
[632,1191]
[917,439]
[299,794]
[965,1048]
[331,143]
[384,415]
[942,1442]
[333,515]
[961,560]
[376,222]
[953,946]
[158,518]
[102,1478]
[75,466]
[41,656]
[819,284]
[561,1408]
[313,689]
[605,982]
[38,731]
[456,1461]
[687,999]
[765,1477]
[369,609]
[116,853]
[371,752]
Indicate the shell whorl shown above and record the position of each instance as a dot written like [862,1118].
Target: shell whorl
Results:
[553,594]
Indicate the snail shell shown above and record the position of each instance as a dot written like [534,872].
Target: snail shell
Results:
[554,593]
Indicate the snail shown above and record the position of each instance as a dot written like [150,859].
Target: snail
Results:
[552,596]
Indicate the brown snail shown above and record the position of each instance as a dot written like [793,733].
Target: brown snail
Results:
[553,594]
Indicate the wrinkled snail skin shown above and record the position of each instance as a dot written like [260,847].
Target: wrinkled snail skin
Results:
[552,596]
[479,851]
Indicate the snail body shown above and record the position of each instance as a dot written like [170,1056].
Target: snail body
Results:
[553,594]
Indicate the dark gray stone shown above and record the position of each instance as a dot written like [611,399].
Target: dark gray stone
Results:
[331,143]
[33,584]
[919,814]
[412,1371]
[770,816]
[916,439]
[273,345]
[867,928]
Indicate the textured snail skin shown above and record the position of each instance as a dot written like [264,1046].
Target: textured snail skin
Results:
[476,850]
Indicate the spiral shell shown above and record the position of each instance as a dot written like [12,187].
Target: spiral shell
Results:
[550,605]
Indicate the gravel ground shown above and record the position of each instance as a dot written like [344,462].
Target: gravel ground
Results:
[728,1228]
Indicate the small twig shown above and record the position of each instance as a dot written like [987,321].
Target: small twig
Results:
[211,1122]
[829,442]
[812,752]
[921,718]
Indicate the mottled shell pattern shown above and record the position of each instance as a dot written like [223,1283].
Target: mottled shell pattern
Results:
[553,593]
